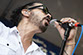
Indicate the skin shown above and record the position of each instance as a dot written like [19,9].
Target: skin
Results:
[28,27]
[71,38]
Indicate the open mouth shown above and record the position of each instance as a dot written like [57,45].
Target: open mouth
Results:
[47,20]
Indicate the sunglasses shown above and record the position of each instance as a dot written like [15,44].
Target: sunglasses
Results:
[45,9]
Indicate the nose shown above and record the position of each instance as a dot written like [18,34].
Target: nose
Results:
[49,15]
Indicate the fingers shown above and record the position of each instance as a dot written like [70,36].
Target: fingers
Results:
[57,25]
[68,19]
[73,30]
[65,20]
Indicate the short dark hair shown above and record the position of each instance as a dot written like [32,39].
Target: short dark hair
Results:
[16,16]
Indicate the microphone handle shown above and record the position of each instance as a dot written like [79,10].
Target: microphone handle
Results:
[66,35]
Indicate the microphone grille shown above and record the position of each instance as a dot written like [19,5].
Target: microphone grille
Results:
[52,22]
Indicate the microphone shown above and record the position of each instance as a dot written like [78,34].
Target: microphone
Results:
[67,27]
[52,22]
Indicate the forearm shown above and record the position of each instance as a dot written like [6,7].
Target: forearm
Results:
[69,48]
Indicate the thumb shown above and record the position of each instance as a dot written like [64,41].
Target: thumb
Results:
[57,25]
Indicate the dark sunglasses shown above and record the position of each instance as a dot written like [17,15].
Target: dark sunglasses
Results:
[45,9]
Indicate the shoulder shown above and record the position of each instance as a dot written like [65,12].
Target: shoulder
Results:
[3,30]
[34,49]
[2,25]
[37,49]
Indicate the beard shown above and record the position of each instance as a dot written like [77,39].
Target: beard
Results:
[37,22]
[42,27]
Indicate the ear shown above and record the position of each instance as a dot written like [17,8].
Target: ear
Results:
[25,12]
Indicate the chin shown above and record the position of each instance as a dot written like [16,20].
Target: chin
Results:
[43,29]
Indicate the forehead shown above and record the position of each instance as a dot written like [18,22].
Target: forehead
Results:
[37,4]
[38,10]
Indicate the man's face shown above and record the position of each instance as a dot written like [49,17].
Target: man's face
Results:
[40,18]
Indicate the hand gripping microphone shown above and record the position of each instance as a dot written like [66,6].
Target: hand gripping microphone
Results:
[52,22]
[67,26]
[64,25]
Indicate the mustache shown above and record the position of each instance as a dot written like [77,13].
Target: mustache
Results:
[46,18]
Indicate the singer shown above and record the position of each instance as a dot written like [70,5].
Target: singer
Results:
[30,19]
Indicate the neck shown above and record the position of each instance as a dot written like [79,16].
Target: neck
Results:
[26,32]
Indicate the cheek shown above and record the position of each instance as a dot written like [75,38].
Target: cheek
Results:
[34,19]
[39,14]
[37,17]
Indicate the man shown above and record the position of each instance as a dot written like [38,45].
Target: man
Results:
[30,19]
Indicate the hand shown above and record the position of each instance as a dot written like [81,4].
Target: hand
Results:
[71,38]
